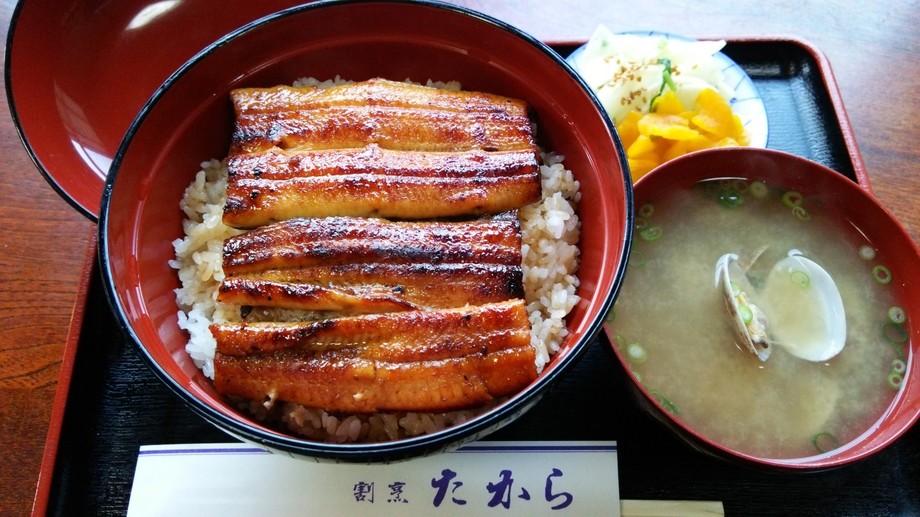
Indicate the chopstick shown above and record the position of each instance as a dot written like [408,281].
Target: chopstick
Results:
[652,508]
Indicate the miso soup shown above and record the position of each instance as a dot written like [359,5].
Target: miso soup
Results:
[670,322]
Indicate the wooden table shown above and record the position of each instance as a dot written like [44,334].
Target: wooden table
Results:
[873,47]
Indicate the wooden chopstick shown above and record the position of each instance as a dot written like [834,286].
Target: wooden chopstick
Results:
[653,508]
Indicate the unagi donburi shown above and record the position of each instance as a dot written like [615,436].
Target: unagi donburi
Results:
[377,260]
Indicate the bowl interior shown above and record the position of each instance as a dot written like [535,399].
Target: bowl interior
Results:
[843,199]
[190,120]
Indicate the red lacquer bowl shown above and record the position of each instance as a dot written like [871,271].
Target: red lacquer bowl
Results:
[840,198]
[78,72]
[189,119]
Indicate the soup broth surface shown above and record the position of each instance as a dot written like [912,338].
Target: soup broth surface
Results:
[671,325]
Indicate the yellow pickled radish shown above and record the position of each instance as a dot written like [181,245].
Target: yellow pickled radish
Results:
[671,130]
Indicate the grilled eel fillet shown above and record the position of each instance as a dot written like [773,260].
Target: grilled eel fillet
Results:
[372,265]
[377,148]
[374,182]
[434,360]
[394,115]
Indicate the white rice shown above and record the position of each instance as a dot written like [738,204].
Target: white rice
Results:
[550,229]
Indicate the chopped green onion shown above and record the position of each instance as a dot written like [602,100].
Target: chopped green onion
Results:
[730,198]
[735,289]
[895,380]
[897,315]
[894,333]
[618,340]
[666,73]
[636,353]
[866,252]
[647,210]
[898,366]
[801,213]
[641,223]
[666,81]
[758,189]
[792,199]
[636,258]
[881,274]
[745,312]
[650,233]
[611,316]
[800,278]
[825,442]
[669,406]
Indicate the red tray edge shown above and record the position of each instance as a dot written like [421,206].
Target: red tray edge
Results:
[49,456]
[843,119]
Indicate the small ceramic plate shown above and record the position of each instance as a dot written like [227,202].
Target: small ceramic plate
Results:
[746,103]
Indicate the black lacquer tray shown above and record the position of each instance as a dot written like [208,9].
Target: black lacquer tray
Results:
[110,404]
